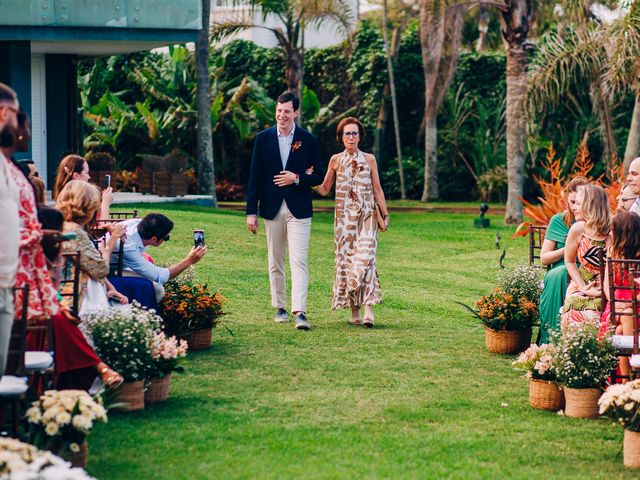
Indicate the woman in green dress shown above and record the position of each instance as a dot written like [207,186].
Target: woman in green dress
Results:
[552,254]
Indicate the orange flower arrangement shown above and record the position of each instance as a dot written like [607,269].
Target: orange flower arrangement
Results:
[501,310]
[186,308]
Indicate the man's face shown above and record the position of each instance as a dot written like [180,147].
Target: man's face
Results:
[8,123]
[285,115]
[633,177]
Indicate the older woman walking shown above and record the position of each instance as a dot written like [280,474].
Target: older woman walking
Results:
[358,189]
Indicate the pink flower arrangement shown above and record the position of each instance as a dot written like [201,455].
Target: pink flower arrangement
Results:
[166,353]
[537,362]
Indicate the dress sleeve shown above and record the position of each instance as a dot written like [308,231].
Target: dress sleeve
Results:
[91,261]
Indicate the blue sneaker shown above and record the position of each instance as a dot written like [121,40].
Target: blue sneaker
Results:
[282,316]
[301,321]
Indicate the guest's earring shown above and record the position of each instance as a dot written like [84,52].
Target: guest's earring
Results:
[20,137]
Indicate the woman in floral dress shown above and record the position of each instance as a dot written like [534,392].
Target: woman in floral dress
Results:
[358,189]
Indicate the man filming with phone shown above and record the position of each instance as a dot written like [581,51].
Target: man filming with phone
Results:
[153,230]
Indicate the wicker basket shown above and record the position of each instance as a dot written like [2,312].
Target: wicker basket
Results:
[200,339]
[507,342]
[77,459]
[631,449]
[157,389]
[131,395]
[545,395]
[581,402]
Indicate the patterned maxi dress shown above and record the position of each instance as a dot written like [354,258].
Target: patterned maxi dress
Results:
[356,235]
[577,306]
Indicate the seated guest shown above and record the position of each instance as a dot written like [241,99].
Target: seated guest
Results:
[79,203]
[625,245]
[153,230]
[586,239]
[39,189]
[29,168]
[75,167]
[552,254]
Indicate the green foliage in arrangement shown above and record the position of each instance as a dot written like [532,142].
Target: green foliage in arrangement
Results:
[419,394]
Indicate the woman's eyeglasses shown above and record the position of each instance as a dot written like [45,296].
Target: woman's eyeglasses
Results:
[351,134]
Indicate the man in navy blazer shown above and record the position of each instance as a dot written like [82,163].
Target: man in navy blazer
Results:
[280,192]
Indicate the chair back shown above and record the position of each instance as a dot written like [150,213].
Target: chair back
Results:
[622,275]
[18,339]
[126,215]
[536,237]
[70,280]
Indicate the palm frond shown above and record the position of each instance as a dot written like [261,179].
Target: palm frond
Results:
[622,68]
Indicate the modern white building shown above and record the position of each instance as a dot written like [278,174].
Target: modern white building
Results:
[325,36]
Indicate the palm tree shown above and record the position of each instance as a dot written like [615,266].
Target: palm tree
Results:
[293,17]
[394,103]
[440,37]
[206,177]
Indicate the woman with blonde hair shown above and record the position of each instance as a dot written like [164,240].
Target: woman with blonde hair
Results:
[79,203]
[586,244]
[552,254]
[358,189]
[75,167]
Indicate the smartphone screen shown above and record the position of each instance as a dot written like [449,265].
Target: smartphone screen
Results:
[107,181]
[198,238]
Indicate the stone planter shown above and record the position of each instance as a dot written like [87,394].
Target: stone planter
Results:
[157,389]
[507,342]
[581,402]
[545,395]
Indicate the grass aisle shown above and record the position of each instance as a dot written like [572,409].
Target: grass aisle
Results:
[417,397]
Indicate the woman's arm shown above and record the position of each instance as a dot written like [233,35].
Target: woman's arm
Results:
[378,194]
[571,253]
[549,254]
[325,187]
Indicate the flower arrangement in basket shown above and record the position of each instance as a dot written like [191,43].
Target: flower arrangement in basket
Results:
[60,421]
[186,308]
[123,339]
[167,353]
[582,361]
[537,363]
[503,310]
[21,460]
[621,403]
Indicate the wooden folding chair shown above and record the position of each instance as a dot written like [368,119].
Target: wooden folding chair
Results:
[70,280]
[536,237]
[13,385]
[628,345]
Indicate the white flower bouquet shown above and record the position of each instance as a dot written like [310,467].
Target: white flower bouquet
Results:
[123,338]
[21,461]
[537,362]
[583,358]
[621,402]
[61,420]
[166,353]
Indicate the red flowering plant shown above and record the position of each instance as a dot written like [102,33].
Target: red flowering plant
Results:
[186,308]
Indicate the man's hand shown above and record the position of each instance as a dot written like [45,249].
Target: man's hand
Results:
[285,178]
[252,223]
[196,254]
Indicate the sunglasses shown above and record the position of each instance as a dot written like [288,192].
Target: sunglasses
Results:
[166,238]
[351,134]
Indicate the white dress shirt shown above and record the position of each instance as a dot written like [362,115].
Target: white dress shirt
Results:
[284,142]
[133,259]
[10,231]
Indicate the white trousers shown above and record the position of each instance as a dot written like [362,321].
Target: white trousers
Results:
[283,230]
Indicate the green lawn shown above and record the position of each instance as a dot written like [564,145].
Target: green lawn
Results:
[417,397]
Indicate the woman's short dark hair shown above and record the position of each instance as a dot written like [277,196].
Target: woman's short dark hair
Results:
[154,225]
[348,121]
[289,97]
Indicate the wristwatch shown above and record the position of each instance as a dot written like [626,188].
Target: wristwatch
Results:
[297,180]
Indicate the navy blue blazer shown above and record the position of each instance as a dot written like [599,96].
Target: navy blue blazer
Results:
[263,196]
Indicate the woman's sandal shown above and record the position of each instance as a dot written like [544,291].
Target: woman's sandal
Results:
[368,322]
[110,378]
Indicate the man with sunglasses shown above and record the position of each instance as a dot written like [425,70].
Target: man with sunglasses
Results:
[10,231]
[152,230]
[280,192]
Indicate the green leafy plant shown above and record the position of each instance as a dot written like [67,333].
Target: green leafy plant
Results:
[522,280]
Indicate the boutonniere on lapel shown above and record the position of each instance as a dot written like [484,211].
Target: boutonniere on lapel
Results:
[296,145]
